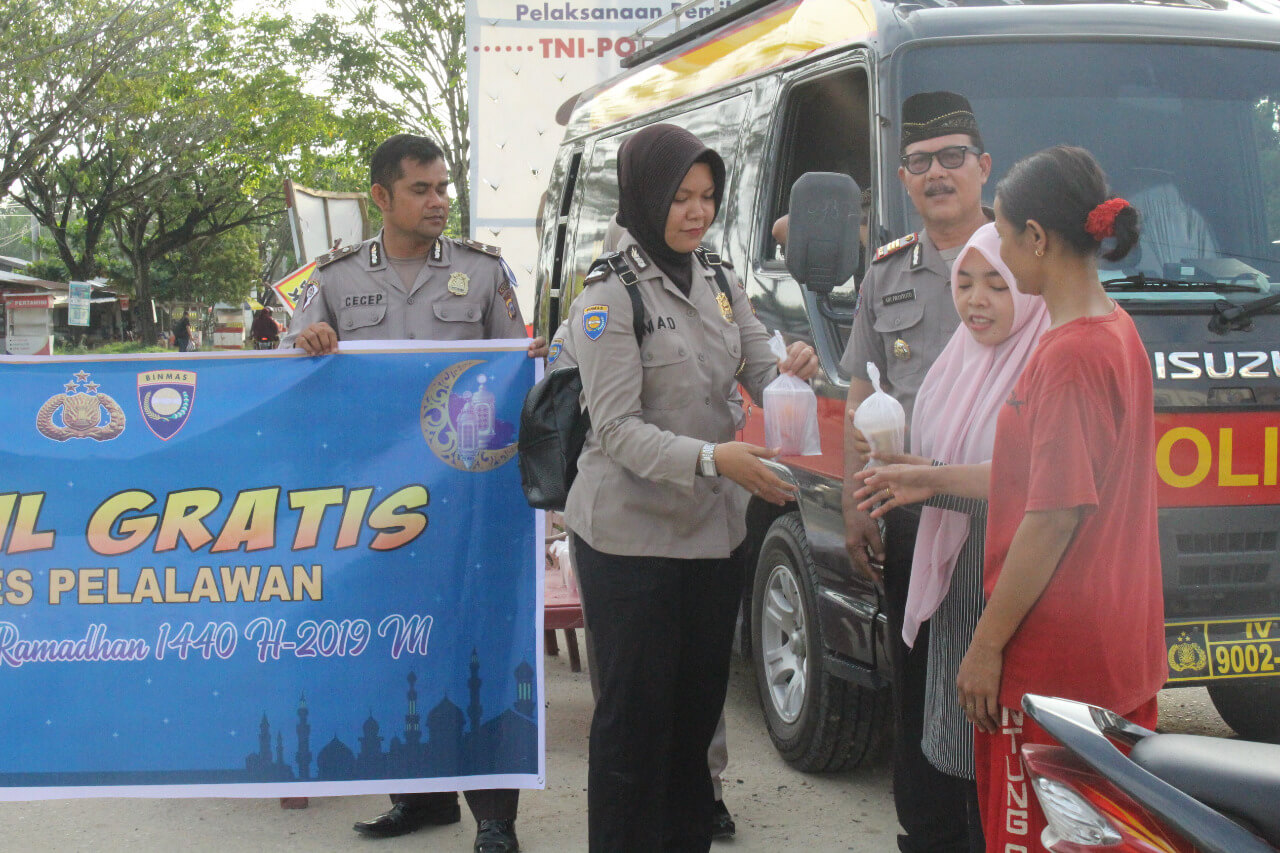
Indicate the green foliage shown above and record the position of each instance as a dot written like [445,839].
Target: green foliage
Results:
[183,173]
[399,66]
[61,62]
[222,268]
[113,348]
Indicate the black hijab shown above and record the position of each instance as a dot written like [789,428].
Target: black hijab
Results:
[652,164]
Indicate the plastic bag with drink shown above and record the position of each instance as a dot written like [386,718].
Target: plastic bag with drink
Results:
[790,411]
[881,420]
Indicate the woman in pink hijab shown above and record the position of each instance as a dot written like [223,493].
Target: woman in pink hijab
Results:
[952,434]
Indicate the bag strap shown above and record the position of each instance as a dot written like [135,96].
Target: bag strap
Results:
[713,262]
[618,264]
[639,318]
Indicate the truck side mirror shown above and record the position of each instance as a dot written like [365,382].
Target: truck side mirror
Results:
[822,243]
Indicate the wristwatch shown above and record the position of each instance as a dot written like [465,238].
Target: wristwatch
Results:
[707,461]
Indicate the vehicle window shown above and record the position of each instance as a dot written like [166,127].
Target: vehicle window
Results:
[1188,134]
[827,129]
[716,125]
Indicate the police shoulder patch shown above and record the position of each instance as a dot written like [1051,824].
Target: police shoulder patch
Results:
[337,254]
[892,248]
[594,320]
[482,247]
[557,346]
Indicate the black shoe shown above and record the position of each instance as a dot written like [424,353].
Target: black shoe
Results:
[404,818]
[722,825]
[496,836]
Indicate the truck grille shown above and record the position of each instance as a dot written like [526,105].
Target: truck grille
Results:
[1226,543]
[1213,580]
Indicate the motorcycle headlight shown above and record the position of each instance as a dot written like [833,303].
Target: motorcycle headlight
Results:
[1071,817]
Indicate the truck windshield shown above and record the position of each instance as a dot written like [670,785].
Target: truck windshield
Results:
[1189,134]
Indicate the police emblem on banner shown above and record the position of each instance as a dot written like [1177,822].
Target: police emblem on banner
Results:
[88,413]
[594,319]
[165,398]
[461,426]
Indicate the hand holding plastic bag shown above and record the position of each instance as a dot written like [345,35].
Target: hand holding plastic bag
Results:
[881,420]
[790,411]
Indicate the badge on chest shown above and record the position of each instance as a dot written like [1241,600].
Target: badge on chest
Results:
[459,284]
[726,310]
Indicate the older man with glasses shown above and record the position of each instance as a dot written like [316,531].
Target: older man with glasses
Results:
[905,317]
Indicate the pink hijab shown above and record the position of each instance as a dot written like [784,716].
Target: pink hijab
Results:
[955,422]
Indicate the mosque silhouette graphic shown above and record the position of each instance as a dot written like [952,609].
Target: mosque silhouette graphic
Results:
[454,743]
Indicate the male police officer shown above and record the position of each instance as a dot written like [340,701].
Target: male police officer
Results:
[905,317]
[410,282]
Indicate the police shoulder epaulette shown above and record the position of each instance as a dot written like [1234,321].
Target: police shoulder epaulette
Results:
[482,247]
[337,254]
[613,262]
[896,246]
[711,259]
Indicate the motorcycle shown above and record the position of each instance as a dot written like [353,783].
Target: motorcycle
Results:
[266,343]
[1164,793]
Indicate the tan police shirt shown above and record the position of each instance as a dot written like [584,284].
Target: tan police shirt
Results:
[904,318]
[653,407]
[464,292]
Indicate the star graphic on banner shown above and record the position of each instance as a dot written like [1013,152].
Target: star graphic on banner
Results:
[70,387]
[82,377]
[92,387]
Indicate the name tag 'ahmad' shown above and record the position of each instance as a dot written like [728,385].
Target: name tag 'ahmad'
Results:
[900,296]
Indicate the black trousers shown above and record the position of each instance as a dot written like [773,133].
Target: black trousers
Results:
[663,630]
[497,804]
[932,806]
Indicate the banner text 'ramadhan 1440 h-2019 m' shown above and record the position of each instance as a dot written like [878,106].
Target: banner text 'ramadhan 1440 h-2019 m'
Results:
[267,574]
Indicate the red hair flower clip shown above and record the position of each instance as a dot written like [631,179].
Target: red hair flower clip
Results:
[1101,223]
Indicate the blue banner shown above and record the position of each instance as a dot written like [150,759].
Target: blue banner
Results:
[264,574]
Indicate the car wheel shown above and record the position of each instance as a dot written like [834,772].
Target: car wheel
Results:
[817,721]
[1251,708]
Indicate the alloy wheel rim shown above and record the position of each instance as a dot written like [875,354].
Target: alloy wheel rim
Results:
[782,642]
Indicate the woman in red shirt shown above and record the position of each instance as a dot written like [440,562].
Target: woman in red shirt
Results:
[1072,567]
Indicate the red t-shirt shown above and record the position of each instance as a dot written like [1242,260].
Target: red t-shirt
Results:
[1078,431]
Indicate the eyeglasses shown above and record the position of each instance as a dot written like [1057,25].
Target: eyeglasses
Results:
[951,157]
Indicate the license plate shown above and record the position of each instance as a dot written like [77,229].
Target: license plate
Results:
[1222,648]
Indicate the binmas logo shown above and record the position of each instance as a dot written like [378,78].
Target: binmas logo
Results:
[1254,364]
[165,398]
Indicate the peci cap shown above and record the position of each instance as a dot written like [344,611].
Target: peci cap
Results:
[929,114]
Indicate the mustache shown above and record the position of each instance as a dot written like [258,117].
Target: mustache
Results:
[938,189]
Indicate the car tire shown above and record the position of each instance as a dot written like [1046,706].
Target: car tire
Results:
[818,722]
[1251,708]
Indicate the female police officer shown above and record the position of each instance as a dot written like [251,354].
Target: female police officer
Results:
[658,507]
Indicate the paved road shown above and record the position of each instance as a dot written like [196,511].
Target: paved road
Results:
[777,809]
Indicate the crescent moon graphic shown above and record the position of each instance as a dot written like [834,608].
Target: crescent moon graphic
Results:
[441,434]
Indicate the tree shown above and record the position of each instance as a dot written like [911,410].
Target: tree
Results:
[194,149]
[222,268]
[54,58]
[406,61]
